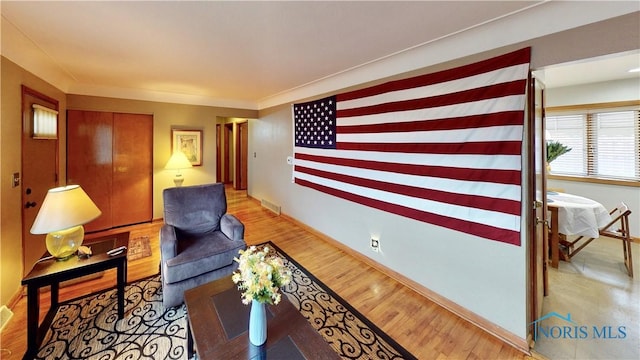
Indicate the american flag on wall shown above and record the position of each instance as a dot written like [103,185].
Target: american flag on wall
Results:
[442,148]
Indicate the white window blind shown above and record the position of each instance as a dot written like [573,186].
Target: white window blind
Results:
[616,151]
[45,122]
[569,130]
[603,144]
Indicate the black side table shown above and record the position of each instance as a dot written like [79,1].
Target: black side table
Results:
[52,272]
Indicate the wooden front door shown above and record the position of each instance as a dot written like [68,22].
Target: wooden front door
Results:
[39,174]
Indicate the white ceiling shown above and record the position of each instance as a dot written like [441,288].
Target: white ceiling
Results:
[604,68]
[242,51]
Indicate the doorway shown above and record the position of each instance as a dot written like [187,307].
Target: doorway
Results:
[241,150]
[232,144]
[218,152]
[228,166]
[593,290]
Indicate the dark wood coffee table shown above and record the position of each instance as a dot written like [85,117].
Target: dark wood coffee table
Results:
[52,272]
[218,323]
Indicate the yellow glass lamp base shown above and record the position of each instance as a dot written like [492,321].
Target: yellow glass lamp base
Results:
[64,243]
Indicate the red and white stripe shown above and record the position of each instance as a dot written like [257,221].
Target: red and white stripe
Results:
[443,148]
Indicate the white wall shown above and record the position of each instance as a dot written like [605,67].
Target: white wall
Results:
[447,262]
[488,278]
[607,195]
[603,92]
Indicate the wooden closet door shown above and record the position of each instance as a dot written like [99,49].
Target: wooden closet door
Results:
[89,160]
[132,187]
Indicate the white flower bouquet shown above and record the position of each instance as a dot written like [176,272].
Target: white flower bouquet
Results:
[260,275]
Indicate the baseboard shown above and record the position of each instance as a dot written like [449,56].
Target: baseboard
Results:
[15,298]
[484,324]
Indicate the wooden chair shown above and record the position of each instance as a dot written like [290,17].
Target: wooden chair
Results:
[618,228]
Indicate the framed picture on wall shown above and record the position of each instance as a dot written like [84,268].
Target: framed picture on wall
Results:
[189,142]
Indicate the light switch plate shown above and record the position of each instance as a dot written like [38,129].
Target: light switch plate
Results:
[16,180]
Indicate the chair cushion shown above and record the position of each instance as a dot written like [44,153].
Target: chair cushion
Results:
[195,209]
[199,254]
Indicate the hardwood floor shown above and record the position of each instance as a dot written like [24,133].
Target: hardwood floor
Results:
[425,329]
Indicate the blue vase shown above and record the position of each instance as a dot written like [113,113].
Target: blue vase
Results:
[257,323]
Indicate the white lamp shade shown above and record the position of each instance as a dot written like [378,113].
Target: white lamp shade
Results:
[64,207]
[178,161]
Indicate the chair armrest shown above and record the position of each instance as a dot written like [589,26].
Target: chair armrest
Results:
[232,227]
[168,242]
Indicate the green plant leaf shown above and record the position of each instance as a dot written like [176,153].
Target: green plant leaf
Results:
[555,149]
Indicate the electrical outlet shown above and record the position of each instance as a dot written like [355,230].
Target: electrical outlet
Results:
[375,244]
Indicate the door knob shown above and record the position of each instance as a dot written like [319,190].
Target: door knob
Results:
[30,204]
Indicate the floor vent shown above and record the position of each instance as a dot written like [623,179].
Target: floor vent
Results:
[5,315]
[271,206]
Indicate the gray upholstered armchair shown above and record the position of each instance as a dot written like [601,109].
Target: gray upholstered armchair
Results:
[198,240]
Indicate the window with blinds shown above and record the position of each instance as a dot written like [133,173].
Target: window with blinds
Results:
[603,144]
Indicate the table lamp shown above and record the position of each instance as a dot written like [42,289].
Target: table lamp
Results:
[61,216]
[178,161]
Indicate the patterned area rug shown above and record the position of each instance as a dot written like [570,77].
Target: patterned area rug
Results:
[139,248]
[88,328]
